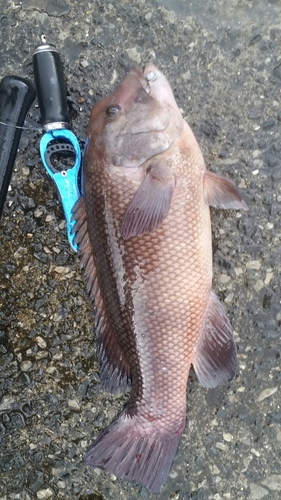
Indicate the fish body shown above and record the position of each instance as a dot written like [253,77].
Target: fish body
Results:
[144,235]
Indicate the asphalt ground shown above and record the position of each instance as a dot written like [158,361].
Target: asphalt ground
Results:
[223,61]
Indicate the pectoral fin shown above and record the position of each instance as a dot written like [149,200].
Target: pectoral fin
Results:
[214,358]
[150,205]
[221,193]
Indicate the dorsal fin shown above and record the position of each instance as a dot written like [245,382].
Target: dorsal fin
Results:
[114,368]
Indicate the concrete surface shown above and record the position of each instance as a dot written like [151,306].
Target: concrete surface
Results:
[223,60]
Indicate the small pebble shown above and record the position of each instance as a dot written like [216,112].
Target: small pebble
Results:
[257,492]
[73,404]
[266,393]
[6,403]
[41,342]
[20,252]
[269,123]
[47,493]
[214,470]
[62,270]
[134,55]
[258,285]
[26,366]
[253,264]
[223,278]
[238,271]
[227,437]
[62,224]
[58,356]
[268,278]
[222,446]
[38,212]
[41,355]
[273,482]
[229,298]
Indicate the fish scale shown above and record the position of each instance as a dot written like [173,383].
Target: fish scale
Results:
[144,235]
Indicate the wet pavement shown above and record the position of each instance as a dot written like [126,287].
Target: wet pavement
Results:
[223,61]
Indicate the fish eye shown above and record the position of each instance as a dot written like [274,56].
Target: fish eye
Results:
[113,110]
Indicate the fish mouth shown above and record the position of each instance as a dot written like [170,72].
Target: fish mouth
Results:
[150,74]
[144,85]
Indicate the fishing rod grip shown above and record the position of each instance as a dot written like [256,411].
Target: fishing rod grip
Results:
[50,86]
[16,96]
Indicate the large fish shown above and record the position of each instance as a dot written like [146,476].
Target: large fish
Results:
[144,235]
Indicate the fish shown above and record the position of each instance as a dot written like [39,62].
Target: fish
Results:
[143,230]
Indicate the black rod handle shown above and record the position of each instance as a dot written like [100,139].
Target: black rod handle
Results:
[16,96]
[50,86]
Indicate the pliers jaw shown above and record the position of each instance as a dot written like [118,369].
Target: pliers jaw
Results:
[65,178]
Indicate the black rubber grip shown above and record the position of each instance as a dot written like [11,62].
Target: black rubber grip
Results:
[50,86]
[16,96]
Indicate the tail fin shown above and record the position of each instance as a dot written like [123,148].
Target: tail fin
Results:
[133,449]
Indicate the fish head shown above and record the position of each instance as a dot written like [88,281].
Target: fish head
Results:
[139,120]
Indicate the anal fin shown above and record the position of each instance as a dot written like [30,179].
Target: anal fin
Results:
[114,368]
[214,359]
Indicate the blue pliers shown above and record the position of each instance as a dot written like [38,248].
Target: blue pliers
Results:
[58,141]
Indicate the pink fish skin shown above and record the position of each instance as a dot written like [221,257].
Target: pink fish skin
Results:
[144,235]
